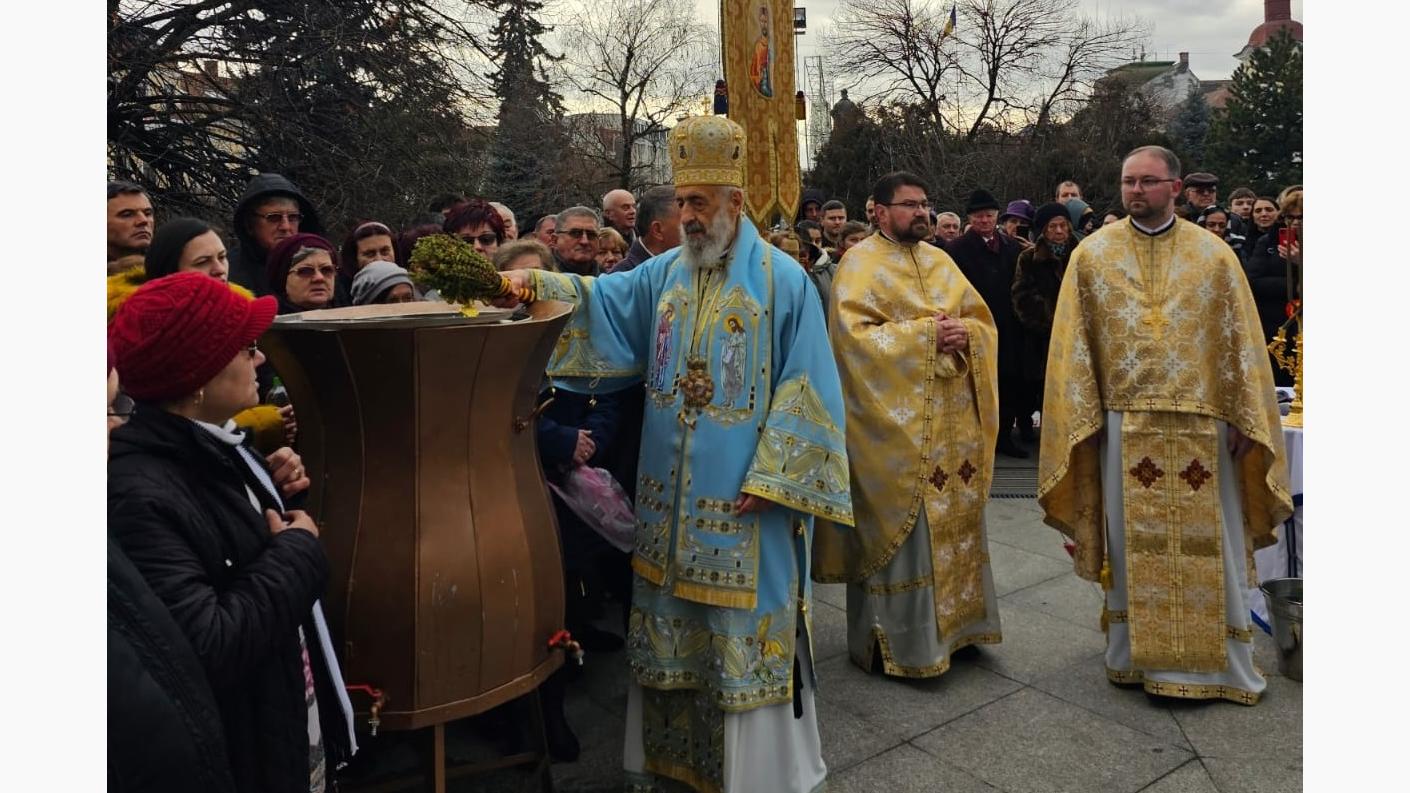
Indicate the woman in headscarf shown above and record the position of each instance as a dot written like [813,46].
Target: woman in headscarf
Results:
[205,521]
[383,282]
[302,273]
[1036,281]
[1082,218]
[1217,220]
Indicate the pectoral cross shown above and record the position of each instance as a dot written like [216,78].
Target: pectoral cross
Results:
[1156,321]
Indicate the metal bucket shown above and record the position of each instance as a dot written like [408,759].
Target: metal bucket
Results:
[1284,596]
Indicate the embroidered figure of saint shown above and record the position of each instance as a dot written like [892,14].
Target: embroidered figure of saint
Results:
[760,67]
[732,361]
[659,374]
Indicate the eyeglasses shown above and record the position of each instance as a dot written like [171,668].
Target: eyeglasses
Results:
[275,218]
[1202,190]
[1292,217]
[484,239]
[910,206]
[1146,183]
[308,271]
[252,350]
[579,233]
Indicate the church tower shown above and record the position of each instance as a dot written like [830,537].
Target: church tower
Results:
[1277,15]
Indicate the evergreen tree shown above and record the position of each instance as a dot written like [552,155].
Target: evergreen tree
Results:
[1257,138]
[1189,129]
[525,159]
[354,100]
[848,165]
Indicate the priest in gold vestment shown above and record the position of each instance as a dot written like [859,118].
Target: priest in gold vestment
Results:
[916,350]
[1162,451]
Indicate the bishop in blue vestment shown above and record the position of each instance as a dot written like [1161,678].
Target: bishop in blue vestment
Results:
[743,444]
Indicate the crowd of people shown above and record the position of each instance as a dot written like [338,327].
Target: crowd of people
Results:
[219,651]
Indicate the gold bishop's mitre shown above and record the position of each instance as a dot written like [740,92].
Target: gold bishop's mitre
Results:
[707,150]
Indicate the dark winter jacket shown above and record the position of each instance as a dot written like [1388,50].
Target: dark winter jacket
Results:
[636,254]
[992,274]
[615,421]
[247,261]
[1239,244]
[1037,278]
[822,276]
[164,733]
[179,505]
[1268,280]
[558,425]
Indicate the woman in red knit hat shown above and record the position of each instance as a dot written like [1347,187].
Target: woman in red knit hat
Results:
[205,521]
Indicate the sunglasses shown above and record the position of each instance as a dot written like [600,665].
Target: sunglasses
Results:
[275,218]
[308,271]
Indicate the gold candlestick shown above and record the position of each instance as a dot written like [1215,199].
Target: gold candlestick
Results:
[1290,363]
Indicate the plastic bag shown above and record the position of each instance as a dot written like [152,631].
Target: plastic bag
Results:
[600,501]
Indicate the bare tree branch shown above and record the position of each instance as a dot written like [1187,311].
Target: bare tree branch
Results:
[899,47]
[1008,61]
[645,61]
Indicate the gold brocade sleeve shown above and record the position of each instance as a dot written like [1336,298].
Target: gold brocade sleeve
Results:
[1154,324]
[1069,469]
[910,409]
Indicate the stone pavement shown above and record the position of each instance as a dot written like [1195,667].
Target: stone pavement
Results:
[1034,714]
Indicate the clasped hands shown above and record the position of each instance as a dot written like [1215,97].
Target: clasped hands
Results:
[950,334]
[286,469]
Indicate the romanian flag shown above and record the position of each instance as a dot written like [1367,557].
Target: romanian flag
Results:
[949,24]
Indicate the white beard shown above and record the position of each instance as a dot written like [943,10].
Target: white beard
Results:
[709,250]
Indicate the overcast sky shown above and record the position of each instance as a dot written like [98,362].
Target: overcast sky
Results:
[1210,30]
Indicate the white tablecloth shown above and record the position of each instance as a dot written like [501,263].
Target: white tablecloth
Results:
[1283,560]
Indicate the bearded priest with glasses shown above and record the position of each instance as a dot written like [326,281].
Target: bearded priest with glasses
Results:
[743,445]
[916,350]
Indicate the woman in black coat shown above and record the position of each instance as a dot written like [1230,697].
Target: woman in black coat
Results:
[1267,271]
[1036,281]
[164,733]
[202,518]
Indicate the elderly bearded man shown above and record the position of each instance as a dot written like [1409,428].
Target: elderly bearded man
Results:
[1162,452]
[916,350]
[743,444]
